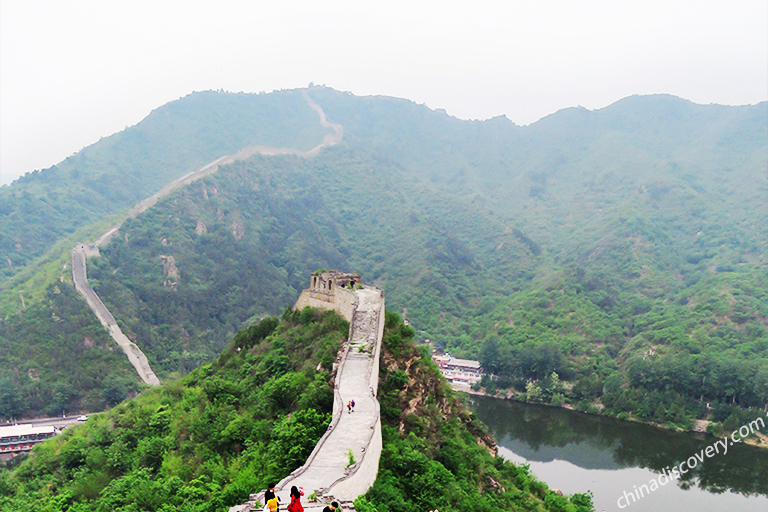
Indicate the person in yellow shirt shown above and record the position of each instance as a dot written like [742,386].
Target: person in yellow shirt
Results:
[272,504]
[268,496]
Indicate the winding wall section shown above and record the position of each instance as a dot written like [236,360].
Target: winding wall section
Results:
[135,355]
[83,251]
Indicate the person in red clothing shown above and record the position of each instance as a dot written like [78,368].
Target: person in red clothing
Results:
[295,504]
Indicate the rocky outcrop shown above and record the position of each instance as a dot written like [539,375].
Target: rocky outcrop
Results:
[171,272]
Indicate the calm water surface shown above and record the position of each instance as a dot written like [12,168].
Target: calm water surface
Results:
[576,452]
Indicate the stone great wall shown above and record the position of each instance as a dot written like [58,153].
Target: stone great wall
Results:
[83,251]
[131,350]
[327,471]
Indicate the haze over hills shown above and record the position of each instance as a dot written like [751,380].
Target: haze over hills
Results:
[106,178]
[575,244]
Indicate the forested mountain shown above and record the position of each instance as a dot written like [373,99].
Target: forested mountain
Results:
[622,248]
[106,178]
[205,442]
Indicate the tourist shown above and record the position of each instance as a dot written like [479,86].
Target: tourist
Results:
[349,407]
[269,495]
[353,404]
[333,506]
[295,504]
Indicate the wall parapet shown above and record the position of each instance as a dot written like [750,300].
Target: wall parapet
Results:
[334,421]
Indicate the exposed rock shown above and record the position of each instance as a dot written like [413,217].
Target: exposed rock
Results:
[237,229]
[496,485]
[421,388]
[701,425]
[169,266]
[171,271]
[201,228]
[33,374]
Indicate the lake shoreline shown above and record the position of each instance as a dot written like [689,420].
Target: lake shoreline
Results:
[578,452]
[761,442]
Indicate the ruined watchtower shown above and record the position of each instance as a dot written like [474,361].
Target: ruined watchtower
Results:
[331,290]
[328,282]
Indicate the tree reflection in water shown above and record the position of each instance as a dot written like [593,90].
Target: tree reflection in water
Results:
[594,442]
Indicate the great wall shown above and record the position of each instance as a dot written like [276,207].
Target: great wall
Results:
[83,251]
[328,471]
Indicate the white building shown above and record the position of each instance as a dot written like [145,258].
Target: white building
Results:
[21,438]
[459,371]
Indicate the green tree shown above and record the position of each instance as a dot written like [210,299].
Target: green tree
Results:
[113,393]
[10,399]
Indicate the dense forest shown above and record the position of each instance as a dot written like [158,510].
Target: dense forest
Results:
[206,441]
[56,359]
[611,259]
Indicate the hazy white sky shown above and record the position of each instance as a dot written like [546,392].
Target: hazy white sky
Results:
[74,71]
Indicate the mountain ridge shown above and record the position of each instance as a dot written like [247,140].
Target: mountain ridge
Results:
[466,224]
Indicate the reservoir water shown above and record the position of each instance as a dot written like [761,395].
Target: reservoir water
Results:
[576,452]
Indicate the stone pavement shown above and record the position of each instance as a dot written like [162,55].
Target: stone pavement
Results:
[327,471]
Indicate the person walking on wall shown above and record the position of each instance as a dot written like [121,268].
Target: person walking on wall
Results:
[271,505]
[349,407]
[333,506]
[270,499]
[352,402]
[295,504]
